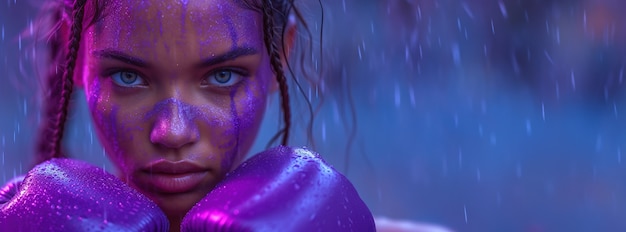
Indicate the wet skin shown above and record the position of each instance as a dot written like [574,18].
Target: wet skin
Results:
[177,91]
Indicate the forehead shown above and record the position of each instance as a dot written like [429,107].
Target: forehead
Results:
[200,24]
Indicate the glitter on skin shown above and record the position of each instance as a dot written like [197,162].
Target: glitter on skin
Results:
[231,27]
[218,124]
[183,16]
[173,116]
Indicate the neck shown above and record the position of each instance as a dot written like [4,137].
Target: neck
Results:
[175,221]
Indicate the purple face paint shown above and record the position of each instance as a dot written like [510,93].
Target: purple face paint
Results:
[231,27]
[171,121]
[160,20]
[173,118]
[183,15]
[226,163]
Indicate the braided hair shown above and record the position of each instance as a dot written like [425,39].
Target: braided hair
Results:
[63,45]
[60,86]
[272,50]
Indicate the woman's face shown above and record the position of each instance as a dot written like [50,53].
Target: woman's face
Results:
[177,90]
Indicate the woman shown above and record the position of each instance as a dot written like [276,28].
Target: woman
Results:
[177,90]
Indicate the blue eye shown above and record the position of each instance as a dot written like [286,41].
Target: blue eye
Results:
[127,79]
[222,78]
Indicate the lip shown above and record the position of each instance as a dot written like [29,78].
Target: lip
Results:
[174,177]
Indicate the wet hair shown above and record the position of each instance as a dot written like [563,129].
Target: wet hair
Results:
[67,19]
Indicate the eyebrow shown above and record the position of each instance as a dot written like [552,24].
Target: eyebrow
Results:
[121,56]
[232,54]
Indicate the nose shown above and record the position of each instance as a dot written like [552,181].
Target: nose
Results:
[174,126]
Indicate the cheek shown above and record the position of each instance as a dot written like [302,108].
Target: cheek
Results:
[250,108]
[102,112]
[109,125]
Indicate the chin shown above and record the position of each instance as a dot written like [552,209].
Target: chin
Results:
[176,206]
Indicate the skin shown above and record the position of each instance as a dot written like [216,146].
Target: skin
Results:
[153,74]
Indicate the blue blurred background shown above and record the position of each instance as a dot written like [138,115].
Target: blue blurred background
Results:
[484,115]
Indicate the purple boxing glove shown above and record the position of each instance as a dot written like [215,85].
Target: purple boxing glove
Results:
[71,195]
[10,189]
[281,189]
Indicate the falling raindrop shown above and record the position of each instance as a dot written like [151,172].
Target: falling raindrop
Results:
[323,130]
[557,90]
[336,117]
[516,67]
[545,52]
[465,213]
[573,80]
[396,95]
[498,199]
[585,20]
[456,54]
[526,15]
[406,54]
[419,12]
[467,10]
[543,112]
[598,143]
[485,49]
[420,49]
[503,9]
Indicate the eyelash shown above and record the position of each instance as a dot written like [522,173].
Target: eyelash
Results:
[117,76]
[236,76]
[210,78]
